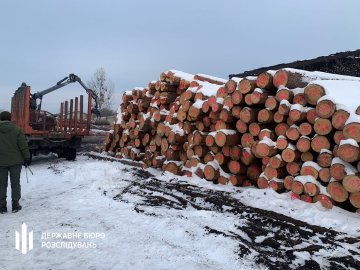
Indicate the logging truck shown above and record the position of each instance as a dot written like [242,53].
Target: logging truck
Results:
[57,133]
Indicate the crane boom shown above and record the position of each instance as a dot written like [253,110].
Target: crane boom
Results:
[72,78]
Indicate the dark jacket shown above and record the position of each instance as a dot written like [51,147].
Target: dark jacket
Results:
[14,148]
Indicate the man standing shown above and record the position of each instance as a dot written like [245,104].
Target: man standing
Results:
[14,152]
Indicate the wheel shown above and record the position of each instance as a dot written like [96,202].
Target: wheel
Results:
[70,154]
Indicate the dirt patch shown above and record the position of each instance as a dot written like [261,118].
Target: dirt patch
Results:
[270,239]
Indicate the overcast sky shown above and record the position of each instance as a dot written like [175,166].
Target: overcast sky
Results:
[41,41]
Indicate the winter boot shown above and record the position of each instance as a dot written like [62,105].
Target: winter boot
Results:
[16,207]
[3,209]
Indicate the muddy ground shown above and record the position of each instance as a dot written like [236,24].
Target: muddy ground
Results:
[270,239]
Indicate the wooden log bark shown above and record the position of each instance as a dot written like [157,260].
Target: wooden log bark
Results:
[228,138]
[253,171]
[236,167]
[277,185]
[209,79]
[288,79]
[237,180]
[266,150]
[272,173]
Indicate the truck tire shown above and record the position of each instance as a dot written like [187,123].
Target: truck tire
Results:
[70,154]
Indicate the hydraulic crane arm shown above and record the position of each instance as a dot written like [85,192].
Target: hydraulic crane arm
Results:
[67,80]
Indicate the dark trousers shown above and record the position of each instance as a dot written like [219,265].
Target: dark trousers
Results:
[14,172]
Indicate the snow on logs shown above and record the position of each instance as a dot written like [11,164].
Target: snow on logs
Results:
[288,130]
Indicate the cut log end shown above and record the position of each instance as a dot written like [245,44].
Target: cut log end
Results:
[355,199]
[293,168]
[320,142]
[337,192]
[297,187]
[313,93]
[262,182]
[325,108]
[352,131]
[324,175]
[325,201]
[288,180]
[351,183]
[323,126]
[211,173]
[349,152]
[311,189]
[339,119]
[247,86]
[237,180]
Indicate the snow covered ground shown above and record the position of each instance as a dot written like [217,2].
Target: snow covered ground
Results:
[167,222]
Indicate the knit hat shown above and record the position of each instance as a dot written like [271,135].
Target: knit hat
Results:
[5,116]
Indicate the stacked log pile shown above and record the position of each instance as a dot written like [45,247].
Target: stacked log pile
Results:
[279,130]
